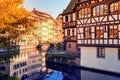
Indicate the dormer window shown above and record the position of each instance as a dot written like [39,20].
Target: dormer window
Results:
[115,7]
[84,13]
[100,10]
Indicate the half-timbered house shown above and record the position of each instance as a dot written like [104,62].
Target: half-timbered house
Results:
[98,34]
[69,27]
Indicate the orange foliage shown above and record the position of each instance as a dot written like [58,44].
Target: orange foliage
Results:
[11,11]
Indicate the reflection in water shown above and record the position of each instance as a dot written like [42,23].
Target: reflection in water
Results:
[55,76]
[72,73]
[84,75]
[88,75]
[25,64]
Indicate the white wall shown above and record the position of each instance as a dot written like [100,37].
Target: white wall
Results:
[70,32]
[65,32]
[63,19]
[89,75]
[69,18]
[74,17]
[109,63]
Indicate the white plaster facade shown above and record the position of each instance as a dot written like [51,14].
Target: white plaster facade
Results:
[109,63]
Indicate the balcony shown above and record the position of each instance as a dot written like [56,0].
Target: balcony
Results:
[69,24]
[72,38]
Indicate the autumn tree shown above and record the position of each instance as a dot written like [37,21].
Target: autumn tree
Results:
[13,21]
[11,11]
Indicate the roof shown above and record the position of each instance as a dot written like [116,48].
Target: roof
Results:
[83,1]
[70,7]
[43,15]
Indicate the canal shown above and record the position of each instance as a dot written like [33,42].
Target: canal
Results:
[83,75]
[29,65]
[64,72]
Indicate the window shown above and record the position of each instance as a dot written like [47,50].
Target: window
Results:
[87,33]
[114,7]
[69,45]
[17,65]
[118,53]
[113,31]
[100,10]
[2,67]
[66,18]
[19,71]
[73,32]
[84,13]
[101,52]
[25,69]
[99,32]
[15,74]
[68,32]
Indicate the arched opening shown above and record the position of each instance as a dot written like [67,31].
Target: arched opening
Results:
[100,10]
[85,13]
[115,7]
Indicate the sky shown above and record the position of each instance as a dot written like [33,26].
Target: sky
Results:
[52,7]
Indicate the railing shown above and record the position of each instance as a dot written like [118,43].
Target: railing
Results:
[73,38]
[69,24]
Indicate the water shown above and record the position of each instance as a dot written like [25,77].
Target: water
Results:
[28,63]
[81,75]
[88,75]
[64,72]
[56,75]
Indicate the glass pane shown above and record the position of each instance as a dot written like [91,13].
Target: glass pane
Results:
[114,7]
[100,10]
[83,13]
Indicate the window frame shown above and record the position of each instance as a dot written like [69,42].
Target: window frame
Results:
[66,18]
[73,32]
[101,10]
[68,32]
[113,32]
[100,52]
[116,7]
[87,32]
[83,14]
[99,32]
[118,53]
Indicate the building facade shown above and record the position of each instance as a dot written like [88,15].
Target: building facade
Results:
[47,27]
[98,34]
[69,27]
[59,28]
[33,62]
[93,26]
[24,64]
